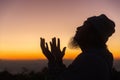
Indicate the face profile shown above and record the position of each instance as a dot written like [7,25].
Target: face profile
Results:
[94,32]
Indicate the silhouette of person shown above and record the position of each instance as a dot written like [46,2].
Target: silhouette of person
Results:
[94,63]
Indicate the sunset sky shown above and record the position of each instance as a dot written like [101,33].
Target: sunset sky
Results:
[23,22]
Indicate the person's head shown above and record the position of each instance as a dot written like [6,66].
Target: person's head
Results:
[94,32]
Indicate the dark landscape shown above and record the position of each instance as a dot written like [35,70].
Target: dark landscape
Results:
[19,66]
[36,70]
[15,67]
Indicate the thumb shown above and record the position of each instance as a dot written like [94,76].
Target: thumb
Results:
[63,51]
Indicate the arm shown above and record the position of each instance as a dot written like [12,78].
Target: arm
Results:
[54,56]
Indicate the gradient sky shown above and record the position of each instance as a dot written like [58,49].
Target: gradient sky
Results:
[23,22]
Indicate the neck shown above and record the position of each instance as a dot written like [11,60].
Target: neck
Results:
[93,49]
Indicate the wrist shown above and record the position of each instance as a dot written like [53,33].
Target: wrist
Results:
[56,66]
[55,63]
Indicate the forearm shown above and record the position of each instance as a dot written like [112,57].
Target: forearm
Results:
[55,67]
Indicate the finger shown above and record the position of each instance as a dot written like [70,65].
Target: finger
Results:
[42,44]
[58,43]
[47,46]
[52,47]
[40,41]
[63,51]
[54,41]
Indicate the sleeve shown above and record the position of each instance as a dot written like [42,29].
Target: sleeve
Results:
[55,69]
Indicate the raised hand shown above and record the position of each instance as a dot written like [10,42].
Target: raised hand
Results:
[55,54]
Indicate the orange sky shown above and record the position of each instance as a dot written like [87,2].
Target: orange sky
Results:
[22,23]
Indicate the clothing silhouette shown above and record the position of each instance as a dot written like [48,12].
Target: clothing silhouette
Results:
[94,63]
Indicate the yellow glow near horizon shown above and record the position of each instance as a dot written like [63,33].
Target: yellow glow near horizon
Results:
[37,55]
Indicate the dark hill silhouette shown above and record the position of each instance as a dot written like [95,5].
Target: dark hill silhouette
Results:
[5,75]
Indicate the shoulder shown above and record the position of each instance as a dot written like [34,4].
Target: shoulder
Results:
[89,61]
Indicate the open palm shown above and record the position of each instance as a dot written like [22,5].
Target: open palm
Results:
[55,54]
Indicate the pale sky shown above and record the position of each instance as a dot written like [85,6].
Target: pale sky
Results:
[23,22]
